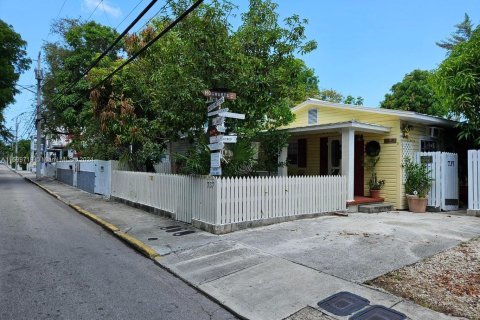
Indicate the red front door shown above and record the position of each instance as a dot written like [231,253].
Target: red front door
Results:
[358,183]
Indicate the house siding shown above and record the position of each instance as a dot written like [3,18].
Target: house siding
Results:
[389,165]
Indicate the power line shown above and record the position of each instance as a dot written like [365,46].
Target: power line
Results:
[151,42]
[128,15]
[163,8]
[91,14]
[104,53]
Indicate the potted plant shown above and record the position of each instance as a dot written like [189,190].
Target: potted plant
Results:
[375,185]
[417,185]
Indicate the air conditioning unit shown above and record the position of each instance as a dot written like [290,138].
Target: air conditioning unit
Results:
[434,132]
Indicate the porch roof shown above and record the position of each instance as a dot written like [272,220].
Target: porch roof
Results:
[338,126]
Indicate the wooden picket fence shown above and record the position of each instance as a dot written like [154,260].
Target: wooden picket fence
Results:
[474,179]
[220,201]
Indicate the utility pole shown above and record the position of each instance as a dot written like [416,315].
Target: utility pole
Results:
[39,77]
[16,143]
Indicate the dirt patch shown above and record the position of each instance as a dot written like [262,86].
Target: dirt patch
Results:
[448,282]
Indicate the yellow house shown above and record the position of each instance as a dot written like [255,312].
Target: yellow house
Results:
[331,138]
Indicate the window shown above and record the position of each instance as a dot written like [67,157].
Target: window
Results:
[292,153]
[428,146]
[297,153]
[312,116]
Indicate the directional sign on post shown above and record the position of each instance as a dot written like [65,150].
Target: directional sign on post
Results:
[216,104]
[229,139]
[218,94]
[221,129]
[216,146]
[216,171]
[215,158]
[213,113]
[218,121]
[231,115]
[216,139]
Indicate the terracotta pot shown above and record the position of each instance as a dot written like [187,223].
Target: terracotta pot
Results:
[416,204]
[374,193]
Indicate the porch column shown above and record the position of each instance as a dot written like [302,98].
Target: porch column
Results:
[282,158]
[348,152]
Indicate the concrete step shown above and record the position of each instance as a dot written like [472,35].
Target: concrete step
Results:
[375,207]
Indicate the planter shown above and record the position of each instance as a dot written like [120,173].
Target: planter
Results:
[374,193]
[416,204]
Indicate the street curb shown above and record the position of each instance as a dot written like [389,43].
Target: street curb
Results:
[133,242]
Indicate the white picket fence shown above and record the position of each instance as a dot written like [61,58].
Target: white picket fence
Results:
[443,168]
[221,201]
[474,179]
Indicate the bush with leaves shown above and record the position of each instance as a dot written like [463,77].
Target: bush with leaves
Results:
[417,178]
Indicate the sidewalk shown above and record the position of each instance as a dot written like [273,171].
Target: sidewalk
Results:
[249,281]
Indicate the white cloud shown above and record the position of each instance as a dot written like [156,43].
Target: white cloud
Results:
[104,6]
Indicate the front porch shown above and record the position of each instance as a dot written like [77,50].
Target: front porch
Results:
[339,149]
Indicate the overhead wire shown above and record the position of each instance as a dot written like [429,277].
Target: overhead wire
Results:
[91,14]
[128,15]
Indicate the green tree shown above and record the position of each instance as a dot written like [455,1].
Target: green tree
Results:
[158,97]
[66,94]
[457,82]
[330,95]
[463,33]
[13,61]
[414,93]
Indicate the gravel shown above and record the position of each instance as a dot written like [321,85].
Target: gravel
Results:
[448,282]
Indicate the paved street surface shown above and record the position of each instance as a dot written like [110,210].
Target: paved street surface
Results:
[281,271]
[56,264]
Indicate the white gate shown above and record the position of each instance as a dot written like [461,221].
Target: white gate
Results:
[474,179]
[443,168]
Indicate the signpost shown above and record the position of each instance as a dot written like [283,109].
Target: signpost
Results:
[216,138]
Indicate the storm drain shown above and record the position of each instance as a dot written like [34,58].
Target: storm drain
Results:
[343,303]
[182,233]
[378,313]
[170,227]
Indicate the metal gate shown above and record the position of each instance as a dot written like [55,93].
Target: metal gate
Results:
[443,168]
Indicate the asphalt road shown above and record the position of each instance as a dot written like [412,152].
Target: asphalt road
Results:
[57,264]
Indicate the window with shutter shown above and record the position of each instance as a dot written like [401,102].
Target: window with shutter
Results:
[312,116]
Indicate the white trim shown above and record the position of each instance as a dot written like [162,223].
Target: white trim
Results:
[403,115]
[359,126]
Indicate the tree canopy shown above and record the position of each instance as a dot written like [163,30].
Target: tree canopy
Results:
[13,61]
[457,82]
[463,33]
[158,97]
[414,93]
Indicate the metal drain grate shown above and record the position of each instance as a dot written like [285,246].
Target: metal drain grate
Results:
[343,303]
[378,313]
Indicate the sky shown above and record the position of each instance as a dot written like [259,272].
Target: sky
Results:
[364,47]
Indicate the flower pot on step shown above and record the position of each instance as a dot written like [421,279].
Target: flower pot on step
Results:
[374,193]
[416,204]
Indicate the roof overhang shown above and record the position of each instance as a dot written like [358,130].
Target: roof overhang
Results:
[338,126]
[403,115]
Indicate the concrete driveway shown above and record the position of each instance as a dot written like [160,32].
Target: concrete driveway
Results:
[361,246]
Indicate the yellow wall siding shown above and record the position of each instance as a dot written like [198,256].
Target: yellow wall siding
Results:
[389,166]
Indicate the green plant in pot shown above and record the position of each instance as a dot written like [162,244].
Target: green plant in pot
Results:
[374,183]
[417,185]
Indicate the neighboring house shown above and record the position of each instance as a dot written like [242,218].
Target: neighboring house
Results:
[330,138]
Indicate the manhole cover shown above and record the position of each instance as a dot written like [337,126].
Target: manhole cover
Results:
[343,303]
[378,313]
[182,233]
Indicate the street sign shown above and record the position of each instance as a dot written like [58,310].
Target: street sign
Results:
[231,115]
[216,104]
[218,94]
[215,158]
[214,171]
[213,113]
[218,121]
[216,146]
[221,129]
[229,139]
[216,139]
[224,139]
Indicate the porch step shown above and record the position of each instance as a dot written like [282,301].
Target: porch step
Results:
[375,207]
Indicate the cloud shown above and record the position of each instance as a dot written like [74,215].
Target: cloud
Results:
[104,6]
